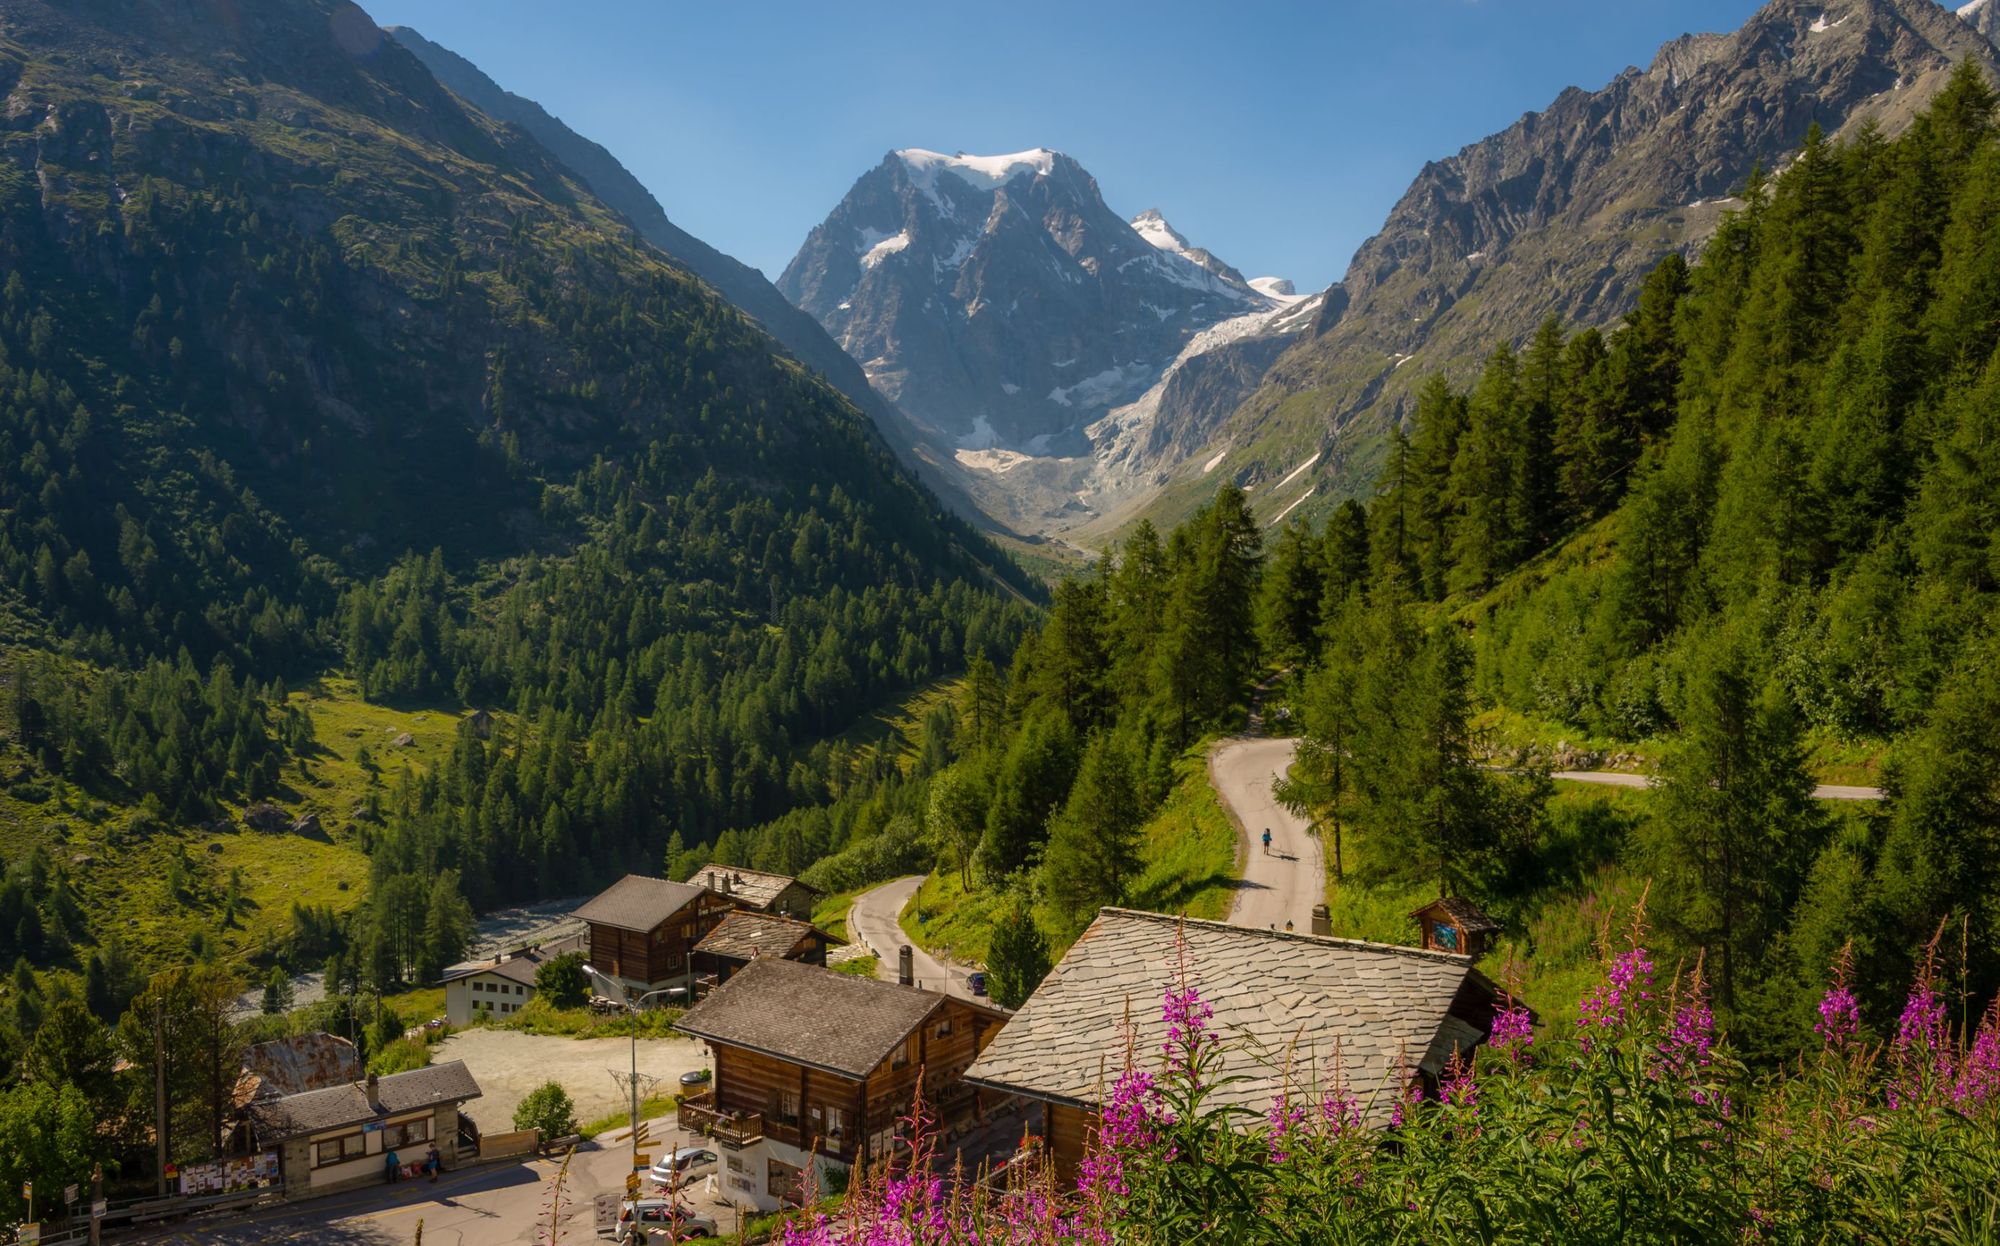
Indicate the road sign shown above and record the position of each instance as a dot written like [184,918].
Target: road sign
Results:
[640,1134]
[631,1183]
[98,1208]
[642,1159]
[29,1233]
[69,1194]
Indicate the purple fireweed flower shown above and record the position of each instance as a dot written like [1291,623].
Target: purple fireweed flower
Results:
[1513,1032]
[1628,983]
[1459,1089]
[1979,1076]
[1284,1117]
[1691,1036]
[1922,1049]
[1839,1016]
[1339,1112]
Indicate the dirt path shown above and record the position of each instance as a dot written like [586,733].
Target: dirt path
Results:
[1618,778]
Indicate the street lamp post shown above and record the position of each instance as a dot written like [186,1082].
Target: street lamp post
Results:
[632,1005]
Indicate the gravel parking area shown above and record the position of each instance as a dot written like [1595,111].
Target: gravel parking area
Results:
[508,1065]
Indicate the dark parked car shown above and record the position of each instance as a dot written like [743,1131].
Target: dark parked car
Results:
[977,981]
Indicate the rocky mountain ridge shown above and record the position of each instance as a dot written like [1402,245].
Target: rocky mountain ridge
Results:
[1563,213]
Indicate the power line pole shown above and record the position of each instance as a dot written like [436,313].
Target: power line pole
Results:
[160,1094]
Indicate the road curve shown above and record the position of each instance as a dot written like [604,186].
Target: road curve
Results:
[1282,885]
[874,921]
[1616,778]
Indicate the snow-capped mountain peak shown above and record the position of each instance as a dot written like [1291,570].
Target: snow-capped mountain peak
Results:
[1970,11]
[1279,288]
[978,172]
[1153,228]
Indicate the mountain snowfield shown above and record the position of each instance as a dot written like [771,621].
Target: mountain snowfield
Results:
[1035,336]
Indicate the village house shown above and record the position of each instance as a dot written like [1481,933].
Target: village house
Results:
[754,889]
[746,936]
[813,1066]
[501,986]
[642,931]
[340,1136]
[1297,1014]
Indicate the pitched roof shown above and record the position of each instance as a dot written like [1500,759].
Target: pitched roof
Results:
[745,935]
[636,902]
[807,1015]
[318,1111]
[1468,916]
[1280,1001]
[754,887]
[520,966]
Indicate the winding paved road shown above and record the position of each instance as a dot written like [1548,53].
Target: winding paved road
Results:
[874,921]
[1283,885]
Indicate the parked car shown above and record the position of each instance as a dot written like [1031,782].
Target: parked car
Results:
[977,981]
[696,1077]
[688,1161]
[663,1221]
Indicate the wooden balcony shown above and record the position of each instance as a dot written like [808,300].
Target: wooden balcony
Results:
[735,1130]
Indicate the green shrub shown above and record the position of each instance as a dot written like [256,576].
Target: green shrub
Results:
[547,1108]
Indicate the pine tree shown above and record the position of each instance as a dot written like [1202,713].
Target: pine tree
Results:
[1017,957]
[1093,850]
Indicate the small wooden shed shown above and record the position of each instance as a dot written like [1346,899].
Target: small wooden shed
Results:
[1455,924]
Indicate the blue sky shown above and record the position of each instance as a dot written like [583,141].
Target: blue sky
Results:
[1278,135]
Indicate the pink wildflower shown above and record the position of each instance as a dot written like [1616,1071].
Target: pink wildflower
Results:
[1979,1077]
[1628,983]
[1513,1032]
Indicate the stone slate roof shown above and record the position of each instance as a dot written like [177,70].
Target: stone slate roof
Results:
[811,1016]
[636,902]
[1463,912]
[520,966]
[337,1107]
[746,936]
[754,888]
[1281,1001]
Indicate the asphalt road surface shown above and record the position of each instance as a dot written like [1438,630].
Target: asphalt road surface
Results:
[874,921]
[1616,778]
[1282,885]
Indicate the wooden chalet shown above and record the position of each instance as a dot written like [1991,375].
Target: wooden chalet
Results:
[1291,1009]
[1455,924]
[758,891]
[745,936]
[818,1067]
[643,931]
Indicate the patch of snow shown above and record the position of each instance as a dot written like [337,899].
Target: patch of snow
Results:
[978,172]
[1279,288]
[1293,474]
[982,436]
[1100,388]
[1215,462]
[960,252]
[1280,516]
[1402,359]
[1820,25]
[847,306]
[1153,227]
[883,248]
[1970,11]
[1063,363]
[1475,257]
[1008,387]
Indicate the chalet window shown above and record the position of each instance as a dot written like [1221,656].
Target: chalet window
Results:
[338,1150]
[520,990]
[407,1133]
[788,1107]
[944,1027]
[835,1129]
[902,1057]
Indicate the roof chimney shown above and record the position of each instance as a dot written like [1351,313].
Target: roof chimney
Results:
[373,1087]
[906,972]
[727,887]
